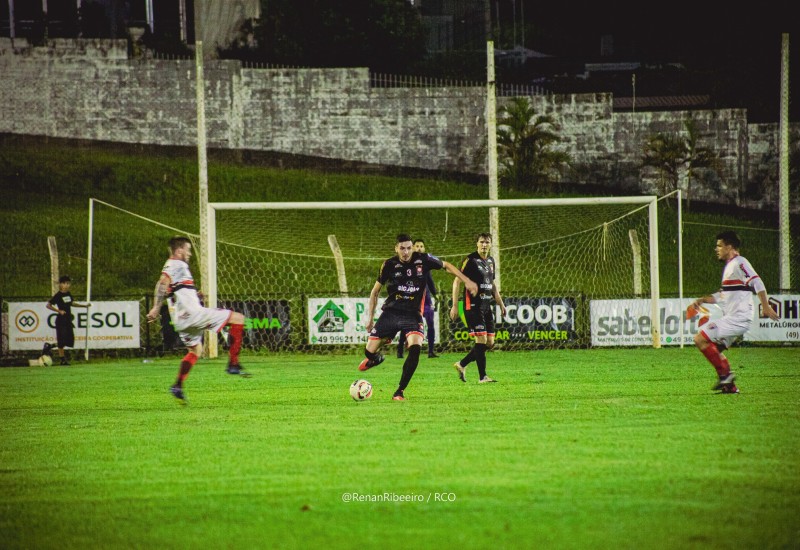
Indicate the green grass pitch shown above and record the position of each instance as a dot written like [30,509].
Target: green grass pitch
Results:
[571,449]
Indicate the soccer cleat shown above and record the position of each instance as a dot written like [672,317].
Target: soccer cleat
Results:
[730,389]
[367,363]
[178,393]
[399,355]
[724,381]
[486,380]
[398,396]
[64,362]
[237,369]
[462,371]
[432,356]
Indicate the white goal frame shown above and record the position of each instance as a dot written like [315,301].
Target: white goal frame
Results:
[651,201]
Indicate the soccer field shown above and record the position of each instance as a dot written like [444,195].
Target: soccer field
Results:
[571,449]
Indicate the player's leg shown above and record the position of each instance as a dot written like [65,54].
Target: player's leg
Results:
[64,338]
[431,332]
[413,345]
[401,342]
[711,341]
[477,329]
[384,330]
[194,345]
[488,343]
[235,335]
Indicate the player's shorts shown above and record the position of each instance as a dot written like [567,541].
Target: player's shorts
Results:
[480,322]
[65,335]
[393,321]
[725,330]
[191,327]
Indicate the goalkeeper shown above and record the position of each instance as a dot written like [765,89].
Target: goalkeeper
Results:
[405,278]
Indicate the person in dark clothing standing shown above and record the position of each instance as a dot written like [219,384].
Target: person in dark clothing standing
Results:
[480,267]
[428,311]
[62,303]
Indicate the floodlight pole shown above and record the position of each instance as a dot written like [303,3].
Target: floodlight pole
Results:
[783,170]
[202,174]
[491,140]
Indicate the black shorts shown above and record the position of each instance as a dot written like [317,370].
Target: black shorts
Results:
[393,321]
[480,322]
[65,336]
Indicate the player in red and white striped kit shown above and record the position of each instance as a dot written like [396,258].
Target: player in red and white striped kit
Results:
[189,317]
[735,297]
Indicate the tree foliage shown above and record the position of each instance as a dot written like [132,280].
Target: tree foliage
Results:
[384,35]
[525,143]
[669,153]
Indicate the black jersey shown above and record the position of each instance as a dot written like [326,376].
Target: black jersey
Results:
[406,282]
[63,301]
[482,272]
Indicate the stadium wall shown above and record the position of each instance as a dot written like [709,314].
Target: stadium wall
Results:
[92,89]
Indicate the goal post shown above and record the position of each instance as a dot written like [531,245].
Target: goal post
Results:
[564,260]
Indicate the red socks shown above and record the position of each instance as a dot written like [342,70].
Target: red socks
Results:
[719,361]
[187,363]
[236,333]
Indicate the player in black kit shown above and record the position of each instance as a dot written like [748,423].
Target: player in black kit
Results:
[404,276]
[480,267]
[62,303]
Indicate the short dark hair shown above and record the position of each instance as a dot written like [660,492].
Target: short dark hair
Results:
[483,236]
[419,241]
[64,279]
[178,242]
[403,237]
[731,238]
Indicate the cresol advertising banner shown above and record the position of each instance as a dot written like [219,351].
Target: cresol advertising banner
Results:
[344,320]
[628,322]
[532,320]
[111,325]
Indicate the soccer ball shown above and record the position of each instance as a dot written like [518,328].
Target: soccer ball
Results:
[46,361]
[360,390]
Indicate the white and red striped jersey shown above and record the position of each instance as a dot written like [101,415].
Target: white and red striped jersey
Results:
[182,292]
[739,282]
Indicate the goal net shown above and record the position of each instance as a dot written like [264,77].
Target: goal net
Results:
[302,272]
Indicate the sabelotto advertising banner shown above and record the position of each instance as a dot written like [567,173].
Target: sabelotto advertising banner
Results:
[629,322]
[110,325]
[344,320]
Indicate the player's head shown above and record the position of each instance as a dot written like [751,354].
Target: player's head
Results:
[64,282]
[728,244]
[483,243]
[404,247]
[180,248]
[419,245]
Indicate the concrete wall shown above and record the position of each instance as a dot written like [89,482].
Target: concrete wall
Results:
[92,90]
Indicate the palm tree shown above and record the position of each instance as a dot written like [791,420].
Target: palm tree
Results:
[668,153]
[696,157]
[524,145]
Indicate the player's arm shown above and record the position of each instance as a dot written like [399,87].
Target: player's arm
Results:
[373,303]
[159,294]
[456,292]
[766,308]
[758,287]
[498,299]
[470,285]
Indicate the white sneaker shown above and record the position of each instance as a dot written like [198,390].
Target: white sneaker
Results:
[486,380]
[462,371]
